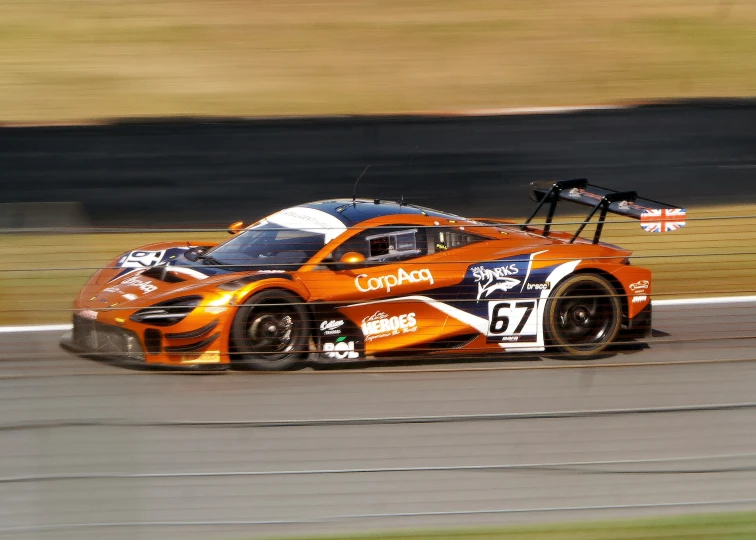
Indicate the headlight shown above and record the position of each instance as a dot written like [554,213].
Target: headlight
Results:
[168,312]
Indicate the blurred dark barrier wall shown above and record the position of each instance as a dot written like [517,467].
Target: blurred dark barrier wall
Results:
[210,172]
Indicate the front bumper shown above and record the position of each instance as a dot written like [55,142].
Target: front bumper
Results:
[119,346]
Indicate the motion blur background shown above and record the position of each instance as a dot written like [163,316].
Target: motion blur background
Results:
[72,60]
[124,122]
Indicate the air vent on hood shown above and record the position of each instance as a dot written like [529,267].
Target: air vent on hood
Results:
[163,273]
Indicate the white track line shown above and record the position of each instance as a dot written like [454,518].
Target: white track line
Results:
[495,111]
[671,302]
[509,111]
[35,328]
[701,301]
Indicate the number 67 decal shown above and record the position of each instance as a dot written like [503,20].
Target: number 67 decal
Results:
[513,321]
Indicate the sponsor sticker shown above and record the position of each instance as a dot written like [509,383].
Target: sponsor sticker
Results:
[309,219]
[538,286]
[380,325]
[639,299]
[495,279]
[340,349]
[364,283]
[145,286]
[640,287]
[330,328]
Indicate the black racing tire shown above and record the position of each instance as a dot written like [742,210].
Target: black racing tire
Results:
[270,331]
[583,316]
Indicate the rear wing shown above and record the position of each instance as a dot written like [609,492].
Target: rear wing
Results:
[654,216]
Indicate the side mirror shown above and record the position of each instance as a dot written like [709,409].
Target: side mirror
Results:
[236,227]
[352,257]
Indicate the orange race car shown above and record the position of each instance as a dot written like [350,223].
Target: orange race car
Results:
[342,280]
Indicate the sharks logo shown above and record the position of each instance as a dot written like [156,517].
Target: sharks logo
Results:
[495,279]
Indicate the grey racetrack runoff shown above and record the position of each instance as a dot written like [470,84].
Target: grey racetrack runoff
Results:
[94,451]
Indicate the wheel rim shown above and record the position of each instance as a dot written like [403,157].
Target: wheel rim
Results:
[584,315]
[271,331]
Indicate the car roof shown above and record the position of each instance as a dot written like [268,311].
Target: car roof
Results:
[353,212]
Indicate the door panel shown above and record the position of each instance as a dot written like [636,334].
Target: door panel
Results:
[398,324]
[389,302]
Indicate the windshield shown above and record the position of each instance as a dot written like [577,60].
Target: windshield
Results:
[285,240]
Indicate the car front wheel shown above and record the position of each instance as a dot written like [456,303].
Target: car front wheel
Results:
[270,331]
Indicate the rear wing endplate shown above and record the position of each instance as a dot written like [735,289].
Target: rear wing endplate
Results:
[654,216]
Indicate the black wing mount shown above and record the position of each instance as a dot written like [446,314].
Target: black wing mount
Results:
[655,216]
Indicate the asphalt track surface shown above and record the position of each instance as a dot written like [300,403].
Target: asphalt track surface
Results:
[95,451]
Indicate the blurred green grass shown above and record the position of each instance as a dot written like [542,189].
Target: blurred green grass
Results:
[731,526]
[76,59]
[714,255]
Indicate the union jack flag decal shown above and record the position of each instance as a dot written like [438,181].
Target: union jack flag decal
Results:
[663,220]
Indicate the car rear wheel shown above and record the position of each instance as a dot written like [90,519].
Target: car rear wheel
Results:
[583,315]
[270,331]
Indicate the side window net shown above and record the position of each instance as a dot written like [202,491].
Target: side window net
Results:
[399,244]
